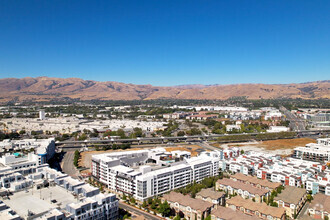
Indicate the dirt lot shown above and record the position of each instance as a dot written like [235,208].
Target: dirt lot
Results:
[284,143]
[86,157]
[282,147]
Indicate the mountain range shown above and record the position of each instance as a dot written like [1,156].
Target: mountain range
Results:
[47,89]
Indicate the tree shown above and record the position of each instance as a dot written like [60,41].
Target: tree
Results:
[124,197]
[164,209]
[153,205]
[132,200]
[76,158]
[177,217]
[208,217]
[181,133]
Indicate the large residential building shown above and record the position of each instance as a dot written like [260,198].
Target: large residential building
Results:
[44,148]
[49,194]
[147,173]
[319,152]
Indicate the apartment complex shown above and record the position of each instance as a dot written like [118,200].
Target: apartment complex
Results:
[53,195]
[43,148]
[147,173]
[319,152]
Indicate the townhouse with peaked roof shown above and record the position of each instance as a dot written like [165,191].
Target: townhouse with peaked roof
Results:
[254,181]
[320,207]
[292,199]
[246,191]
[212,196]
[260,210]
[188,207]
[226,213]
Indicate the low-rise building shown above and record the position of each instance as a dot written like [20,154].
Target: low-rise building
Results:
[246,191]
[292,199]
[320,207]
[212,196]
[188,207]
[225,213]
[254,181]
[260,210]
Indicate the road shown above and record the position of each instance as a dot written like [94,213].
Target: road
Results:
[303,214]
[138,211]
[67,164]
[207,146]
[296,124]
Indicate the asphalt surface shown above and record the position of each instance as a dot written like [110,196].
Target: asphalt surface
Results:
[303,212]
[138,211]
[296,123]
[206,146]
[67,164]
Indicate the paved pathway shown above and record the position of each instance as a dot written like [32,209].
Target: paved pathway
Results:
[138,211]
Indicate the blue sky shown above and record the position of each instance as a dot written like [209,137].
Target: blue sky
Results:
[165,42]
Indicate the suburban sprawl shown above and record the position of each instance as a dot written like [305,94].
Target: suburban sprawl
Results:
[165,160]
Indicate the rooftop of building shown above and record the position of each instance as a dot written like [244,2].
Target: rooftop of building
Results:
[38,201]
[229,214]
[260,207]
[321,203]
[291,195]
[243,186]
[210,193]
[255,180]
[186,200]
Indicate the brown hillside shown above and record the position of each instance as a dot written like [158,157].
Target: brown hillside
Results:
[46,88]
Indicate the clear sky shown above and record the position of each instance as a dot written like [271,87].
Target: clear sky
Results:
[165,42]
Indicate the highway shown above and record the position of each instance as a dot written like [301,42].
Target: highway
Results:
[138,211]
[153,140]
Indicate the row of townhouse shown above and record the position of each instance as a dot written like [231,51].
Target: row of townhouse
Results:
[200,207]
[319,184]
[292,199]
[260,210]
[246,191]
[287,171]
[160,172]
